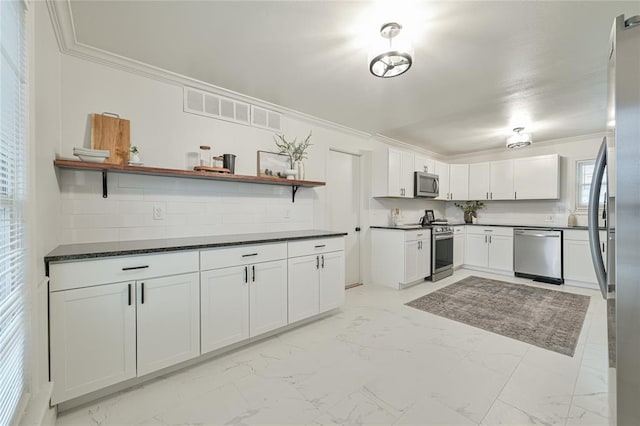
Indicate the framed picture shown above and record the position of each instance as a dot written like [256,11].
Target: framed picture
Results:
[273,164]
[430,216]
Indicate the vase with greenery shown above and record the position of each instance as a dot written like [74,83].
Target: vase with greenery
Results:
[296,151]
[470,209]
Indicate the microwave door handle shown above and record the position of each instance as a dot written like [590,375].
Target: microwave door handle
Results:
[594,235]
[436,186]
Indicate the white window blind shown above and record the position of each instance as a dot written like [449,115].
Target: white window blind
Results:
[584,175]
[12,196]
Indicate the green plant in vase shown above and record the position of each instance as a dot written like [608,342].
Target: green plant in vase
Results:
[296,151]
[470,209]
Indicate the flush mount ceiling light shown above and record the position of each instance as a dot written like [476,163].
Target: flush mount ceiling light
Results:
[518,140]
[390,61]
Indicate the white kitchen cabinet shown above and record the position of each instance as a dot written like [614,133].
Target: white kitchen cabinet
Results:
[479,181]
[400,258]
[458,182]
[458,246]
[168,321]
[92,338]
[398,170]
[489,248]
[442,170]
[243,301]
[577,263]
[424,164]
[501,185]
[537,178]
[316,284]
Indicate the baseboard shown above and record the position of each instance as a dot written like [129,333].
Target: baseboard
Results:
[581,284]
[38,411]
[490,271]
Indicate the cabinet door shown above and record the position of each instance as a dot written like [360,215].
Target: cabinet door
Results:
[501,253]
[577,262]
[267,297]
[168,326]
[501,182]
[537,177]
[224,307]
[92,338]
[442,170]
[411,259]
[406,171]
[476,251]
[424,259]
[458,250]
[479,174]
[304,287]
[394,173]
[423,164]
[459,182]
[332,280]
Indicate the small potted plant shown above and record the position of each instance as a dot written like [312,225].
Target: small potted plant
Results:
[296,151]
[135,158]
[470,209]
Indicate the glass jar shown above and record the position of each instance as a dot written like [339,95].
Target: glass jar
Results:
[205,155]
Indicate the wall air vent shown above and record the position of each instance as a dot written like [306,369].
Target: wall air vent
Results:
[265,118]
[210,105]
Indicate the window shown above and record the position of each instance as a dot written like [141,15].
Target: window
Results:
[584,175]
[12,196]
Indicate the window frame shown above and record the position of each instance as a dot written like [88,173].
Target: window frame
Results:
[580,207]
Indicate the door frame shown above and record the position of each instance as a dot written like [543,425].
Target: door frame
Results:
[359,156]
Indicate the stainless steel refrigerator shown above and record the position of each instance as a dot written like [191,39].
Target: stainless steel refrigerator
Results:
[619,274]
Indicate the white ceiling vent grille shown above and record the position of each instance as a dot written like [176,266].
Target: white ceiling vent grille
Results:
[210,105]
[265,119]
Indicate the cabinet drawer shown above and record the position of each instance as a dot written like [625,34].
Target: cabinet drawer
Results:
[320,245]
[458,230]
[86,273]
[490,230]
[241,255]
[420,234]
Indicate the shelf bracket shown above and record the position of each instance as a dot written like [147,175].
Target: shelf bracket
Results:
[104,184]
[294,189]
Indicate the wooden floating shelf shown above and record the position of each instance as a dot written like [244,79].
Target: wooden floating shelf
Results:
[189,174]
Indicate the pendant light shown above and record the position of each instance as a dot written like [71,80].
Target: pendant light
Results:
[518,139]
[390,60]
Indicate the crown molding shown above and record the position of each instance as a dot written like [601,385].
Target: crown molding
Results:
[63,26]
[390,141]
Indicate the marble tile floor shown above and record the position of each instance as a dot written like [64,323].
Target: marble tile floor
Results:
[379,362]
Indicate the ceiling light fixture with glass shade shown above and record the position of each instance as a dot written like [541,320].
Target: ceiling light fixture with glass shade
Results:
[519,139]
[393,58]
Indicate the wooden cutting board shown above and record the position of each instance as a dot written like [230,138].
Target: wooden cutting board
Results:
[109,131]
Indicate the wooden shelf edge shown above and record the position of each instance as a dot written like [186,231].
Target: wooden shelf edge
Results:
[189,174]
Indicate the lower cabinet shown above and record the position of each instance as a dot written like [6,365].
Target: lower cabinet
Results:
[578,265]
[239,302]
[489,247]
[400,257]
[97,333]
[417,260]
[458,246]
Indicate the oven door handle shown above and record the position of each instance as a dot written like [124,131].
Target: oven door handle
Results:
[443,237]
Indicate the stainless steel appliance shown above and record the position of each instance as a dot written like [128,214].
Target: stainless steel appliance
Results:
[538,254]
[426,185]
[618,275]
[441,252]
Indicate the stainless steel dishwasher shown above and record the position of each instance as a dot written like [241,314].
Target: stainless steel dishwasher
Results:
[538,254]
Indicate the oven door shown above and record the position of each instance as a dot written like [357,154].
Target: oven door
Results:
[442,246]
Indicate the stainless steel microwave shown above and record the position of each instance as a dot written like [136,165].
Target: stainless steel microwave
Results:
[426,185]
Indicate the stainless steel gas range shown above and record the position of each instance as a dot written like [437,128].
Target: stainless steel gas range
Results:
[441,252]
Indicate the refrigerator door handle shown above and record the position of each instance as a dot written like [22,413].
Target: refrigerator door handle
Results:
[594,235]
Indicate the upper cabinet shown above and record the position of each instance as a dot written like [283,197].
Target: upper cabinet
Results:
[479,181]
[537,178]
[501,182]
[458,182]
[442,170]
[394,174]
[424,164]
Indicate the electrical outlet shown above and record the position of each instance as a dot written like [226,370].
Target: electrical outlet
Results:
[158,212]
[548,218]
[287,214]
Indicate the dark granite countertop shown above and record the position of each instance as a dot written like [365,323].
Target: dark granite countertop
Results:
[125,248]
[403,227]
[551,227]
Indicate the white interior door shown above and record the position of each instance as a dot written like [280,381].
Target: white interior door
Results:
[343,186]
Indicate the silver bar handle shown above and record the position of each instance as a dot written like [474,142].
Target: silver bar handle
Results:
[594,235]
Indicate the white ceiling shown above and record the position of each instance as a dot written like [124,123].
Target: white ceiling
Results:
[480,67]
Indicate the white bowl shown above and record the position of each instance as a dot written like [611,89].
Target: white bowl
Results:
[90,159]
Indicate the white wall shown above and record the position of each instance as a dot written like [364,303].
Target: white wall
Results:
[535,212]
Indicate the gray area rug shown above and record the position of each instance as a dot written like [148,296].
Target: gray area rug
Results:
[549,319]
